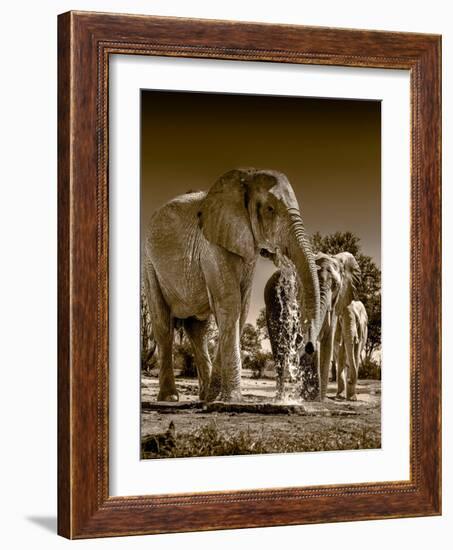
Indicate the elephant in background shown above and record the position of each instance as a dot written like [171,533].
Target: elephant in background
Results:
[352,335]
[199,258]
[283,325]
[338,277]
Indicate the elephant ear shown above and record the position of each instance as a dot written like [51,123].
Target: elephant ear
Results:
[224,217]
[351,272]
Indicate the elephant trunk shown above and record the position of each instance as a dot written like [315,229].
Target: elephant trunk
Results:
[325,319]
[300,252]
[350,326]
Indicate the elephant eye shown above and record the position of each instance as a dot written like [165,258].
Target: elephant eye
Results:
[270,209]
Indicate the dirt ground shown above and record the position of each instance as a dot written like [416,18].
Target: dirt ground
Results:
[293,426]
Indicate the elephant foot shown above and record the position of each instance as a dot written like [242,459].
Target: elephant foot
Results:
[339,397]
[351,392]
[234,396]
[169,396]
[212,394]
[204,395]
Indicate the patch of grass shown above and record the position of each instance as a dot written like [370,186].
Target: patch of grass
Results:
[327,440]
[208,440]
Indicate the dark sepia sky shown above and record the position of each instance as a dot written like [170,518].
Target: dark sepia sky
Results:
[329,149]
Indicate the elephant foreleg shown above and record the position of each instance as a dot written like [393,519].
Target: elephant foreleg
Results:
[223,286]
[246,292]
[230,358]
[351,371]
[197,334]
[351,345]
[351,387]
[336,354]
[225,382]
[326,355]
[340,371]
[163,324]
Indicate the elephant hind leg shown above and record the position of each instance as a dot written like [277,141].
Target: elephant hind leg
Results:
[197,333]
[163,324]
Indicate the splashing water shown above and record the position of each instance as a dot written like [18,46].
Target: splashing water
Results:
[300,366]
[289,321]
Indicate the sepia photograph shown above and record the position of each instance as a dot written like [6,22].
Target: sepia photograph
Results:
[249,274]
[260,274]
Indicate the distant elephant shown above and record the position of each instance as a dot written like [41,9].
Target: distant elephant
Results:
[199,259]
[349,352]
[339,277]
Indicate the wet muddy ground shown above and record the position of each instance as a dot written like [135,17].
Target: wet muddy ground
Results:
[259,425]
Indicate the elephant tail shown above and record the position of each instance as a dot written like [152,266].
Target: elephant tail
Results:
[148,341]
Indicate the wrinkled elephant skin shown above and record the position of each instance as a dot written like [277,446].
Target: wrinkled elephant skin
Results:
[199,258]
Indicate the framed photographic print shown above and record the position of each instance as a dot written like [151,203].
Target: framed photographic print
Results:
[249,275]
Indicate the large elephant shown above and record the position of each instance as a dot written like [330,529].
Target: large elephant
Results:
[199,259]
[339,277]
[352,335]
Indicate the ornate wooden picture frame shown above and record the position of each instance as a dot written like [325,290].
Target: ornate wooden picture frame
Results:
[85,42]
